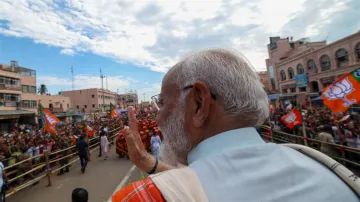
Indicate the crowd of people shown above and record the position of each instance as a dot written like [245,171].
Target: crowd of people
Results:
[151,136]
[323,125]
[24,141]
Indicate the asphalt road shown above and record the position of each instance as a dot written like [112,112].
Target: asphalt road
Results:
[101,179]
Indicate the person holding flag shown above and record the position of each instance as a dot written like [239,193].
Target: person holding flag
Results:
[49,120]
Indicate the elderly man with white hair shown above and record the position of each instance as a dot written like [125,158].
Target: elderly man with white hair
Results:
[210,103]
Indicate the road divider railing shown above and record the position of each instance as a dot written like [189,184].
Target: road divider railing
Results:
[47,164]
[348,156]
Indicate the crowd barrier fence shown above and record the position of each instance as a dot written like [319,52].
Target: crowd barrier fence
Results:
[47,162]
[348,156]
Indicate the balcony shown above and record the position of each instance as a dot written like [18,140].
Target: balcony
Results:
[10,87]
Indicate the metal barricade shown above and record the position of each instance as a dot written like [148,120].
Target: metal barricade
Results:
[48,171]
[348,156]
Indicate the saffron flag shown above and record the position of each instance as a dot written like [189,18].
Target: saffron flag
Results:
[112,111]
[89,131]
[343,92]
[292,118]
[48,119]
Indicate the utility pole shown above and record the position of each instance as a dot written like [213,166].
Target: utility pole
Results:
[102,88]
[107,83]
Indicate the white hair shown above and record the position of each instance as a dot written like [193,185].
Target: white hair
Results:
[229,76]
[176,145]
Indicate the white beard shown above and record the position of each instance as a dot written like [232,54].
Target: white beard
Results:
[175,146]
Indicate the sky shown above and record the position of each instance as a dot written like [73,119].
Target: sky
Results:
[136,42]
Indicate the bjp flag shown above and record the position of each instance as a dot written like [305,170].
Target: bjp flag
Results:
[49,120]
[292,118]
[343,93]
[90,131]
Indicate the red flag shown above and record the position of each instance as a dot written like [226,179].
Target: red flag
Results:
[292,118]
[343,93]
[89,130]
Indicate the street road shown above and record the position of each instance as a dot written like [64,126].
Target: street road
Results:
[101,179]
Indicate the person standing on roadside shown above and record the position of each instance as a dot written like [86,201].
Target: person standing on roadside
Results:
[104,144]
[82,147]
[100,134]
[155,145]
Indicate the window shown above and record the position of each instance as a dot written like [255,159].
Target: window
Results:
[357,51]
[68,106]
[303,89]
[32,89]
[282,75]
[10,97]
[293,90]
[99,105]
[93,106]
[25,103]
[325,63]
[33,104]
[77,106]
[28,104]
[299,69]
[311,66]
[25,89]
[291,73]
[80,92]
[284,91]
[341,56]
[93,96]
[61,106]
[85,106]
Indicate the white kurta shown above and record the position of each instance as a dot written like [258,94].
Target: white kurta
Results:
[104,144]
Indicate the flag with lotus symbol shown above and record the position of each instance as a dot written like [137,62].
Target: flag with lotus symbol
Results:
[48,119]
[292,119]
[343,92]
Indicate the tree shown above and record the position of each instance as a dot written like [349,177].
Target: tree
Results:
[42,89]
[60,93]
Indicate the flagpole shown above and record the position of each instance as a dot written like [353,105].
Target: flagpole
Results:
[304,133]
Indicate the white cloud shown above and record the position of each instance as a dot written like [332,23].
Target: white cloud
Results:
[67,51]
[86,81]
[156,33]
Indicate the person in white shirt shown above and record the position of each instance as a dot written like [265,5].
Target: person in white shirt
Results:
[210,103]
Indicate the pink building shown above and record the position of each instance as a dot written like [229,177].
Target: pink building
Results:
[264,78]
[302,67]
[127,99]
[18,96]
[91,100]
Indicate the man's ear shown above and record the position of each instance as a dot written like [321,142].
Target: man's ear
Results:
[200,100]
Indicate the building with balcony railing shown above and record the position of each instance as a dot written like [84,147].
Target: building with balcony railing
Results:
[305,68]
[129,98]
[18,98]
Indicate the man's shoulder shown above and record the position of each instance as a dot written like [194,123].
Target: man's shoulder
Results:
[139,190]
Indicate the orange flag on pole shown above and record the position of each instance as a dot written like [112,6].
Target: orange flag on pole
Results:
[90,132]
[343,93]
[292,118]
[49,120]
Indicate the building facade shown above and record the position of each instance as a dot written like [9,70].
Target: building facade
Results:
[127,99]
[265,79]
[18,96]
[302,67]
[91,100]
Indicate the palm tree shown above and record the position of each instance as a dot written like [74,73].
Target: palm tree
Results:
[42,89]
